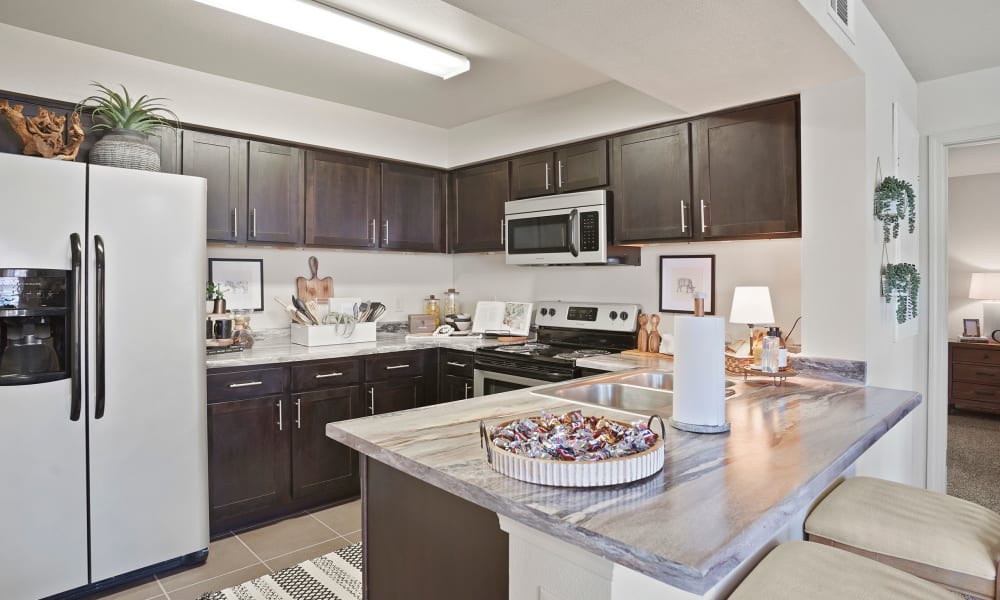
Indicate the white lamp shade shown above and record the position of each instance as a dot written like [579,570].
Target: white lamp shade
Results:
[752,305]
[985,286]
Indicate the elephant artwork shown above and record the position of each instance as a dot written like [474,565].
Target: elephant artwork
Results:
[685,285]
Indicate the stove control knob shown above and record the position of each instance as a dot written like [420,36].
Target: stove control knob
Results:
[623,315]
[613,314]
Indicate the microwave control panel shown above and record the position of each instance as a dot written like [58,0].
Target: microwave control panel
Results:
[590,232]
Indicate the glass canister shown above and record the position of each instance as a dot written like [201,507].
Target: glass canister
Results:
[432,306]
[450,302]
[769,353]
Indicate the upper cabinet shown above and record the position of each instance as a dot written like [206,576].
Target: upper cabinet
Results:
[476,207]
[746,171]
[568,169]
[652,185]
[221,160]
[341,200]
[412,208]
[275,194]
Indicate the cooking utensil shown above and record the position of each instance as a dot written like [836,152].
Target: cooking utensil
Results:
[313,308]
[293,314]
[314,288]
[301,306]
[377,312]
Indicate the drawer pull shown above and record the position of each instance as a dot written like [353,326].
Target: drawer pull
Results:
[982,393]
[325,375]
[247,384]
[455,364]
[985,374]
[393,367]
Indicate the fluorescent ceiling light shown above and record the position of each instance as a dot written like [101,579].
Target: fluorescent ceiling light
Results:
[330,25]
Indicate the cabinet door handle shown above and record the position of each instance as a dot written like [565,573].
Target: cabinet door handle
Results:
[374,235]
[467,386]
[298,413]
[325,375]
[704,221]
[546,175]
[253,223]
[247,384]
[503,241]
[456,364]
[387,232]
[684,226]
[236,224]
[281,421]
[371,407]
[393,367]
[559,175]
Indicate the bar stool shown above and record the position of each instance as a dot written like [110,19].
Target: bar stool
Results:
[943,539]
[797,570]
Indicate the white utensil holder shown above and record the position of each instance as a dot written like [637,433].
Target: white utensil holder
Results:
[327,335]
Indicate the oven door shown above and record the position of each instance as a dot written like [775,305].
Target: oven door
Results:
[490,382]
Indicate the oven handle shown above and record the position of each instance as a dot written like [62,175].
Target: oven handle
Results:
[574,229]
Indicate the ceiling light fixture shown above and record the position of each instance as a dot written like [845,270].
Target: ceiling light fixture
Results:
[331,25]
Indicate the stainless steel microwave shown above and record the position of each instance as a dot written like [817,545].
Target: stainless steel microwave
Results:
[566,229]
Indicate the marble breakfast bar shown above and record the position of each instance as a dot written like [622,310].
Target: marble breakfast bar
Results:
[692,530]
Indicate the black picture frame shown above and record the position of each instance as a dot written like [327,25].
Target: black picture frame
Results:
[243,280]
[681,276]
[970,328]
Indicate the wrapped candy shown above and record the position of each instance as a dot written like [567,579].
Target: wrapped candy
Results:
[572,436]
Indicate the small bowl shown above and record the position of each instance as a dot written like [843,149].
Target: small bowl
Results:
[463,325]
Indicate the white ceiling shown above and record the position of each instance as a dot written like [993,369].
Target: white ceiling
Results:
[976,159]
[507,72]
[940,38]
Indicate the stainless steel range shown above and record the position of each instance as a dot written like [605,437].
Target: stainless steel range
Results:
[567,331]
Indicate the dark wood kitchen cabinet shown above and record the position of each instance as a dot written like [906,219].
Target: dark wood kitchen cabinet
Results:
[476,207]
[746,171]
[394,394]
[568,169]
[222,161]
[275,194]
[320,466]
[400,380]
[652,185]
[456,370]
[342,196]
[411,209]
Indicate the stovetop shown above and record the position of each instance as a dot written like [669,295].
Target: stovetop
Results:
[555,352]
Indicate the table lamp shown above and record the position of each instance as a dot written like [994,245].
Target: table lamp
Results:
[986,286]
[752,306]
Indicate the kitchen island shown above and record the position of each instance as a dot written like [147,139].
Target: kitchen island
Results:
[692,530]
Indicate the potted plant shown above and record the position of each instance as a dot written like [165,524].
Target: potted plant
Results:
[127,121]
[902,281]
[894,200]
[215,298]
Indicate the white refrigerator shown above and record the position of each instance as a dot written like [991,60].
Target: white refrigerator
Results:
[103,472]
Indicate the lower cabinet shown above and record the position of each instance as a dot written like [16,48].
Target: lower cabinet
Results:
[456,375]
[322,467]
[455,388]
[394,394]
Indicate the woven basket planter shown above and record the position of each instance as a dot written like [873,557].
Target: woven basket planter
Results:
[125,149]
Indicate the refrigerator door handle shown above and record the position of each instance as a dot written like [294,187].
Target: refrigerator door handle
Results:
[100,315]
[76,403]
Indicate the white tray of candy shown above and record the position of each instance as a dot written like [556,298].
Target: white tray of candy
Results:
[578,471]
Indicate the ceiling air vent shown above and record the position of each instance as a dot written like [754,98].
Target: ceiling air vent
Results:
[842,11]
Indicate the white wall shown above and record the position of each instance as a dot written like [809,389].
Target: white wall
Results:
[397,279]
[960,102]
[51,67]
[774,263]
[973,245]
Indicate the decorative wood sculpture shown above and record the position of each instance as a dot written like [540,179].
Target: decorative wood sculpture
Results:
[642,343]
[654,335]
[43,135]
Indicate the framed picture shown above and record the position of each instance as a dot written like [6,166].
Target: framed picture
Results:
[970,328]
[681,277]
[242,280]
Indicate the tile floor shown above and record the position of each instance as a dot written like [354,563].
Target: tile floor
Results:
[244,555]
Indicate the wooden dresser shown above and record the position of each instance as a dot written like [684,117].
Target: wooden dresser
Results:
[974,376]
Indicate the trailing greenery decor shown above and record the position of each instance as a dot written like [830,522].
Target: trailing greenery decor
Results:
[902,280]
[894,199]
[112,110]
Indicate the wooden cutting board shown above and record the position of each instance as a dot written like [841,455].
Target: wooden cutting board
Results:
[314,288]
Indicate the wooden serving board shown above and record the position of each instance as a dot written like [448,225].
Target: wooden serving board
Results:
[647,354]
[314,288]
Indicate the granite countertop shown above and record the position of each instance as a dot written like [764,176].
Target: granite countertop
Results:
[718,499]
[275,347]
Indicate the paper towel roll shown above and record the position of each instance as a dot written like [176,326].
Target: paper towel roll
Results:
[700,373]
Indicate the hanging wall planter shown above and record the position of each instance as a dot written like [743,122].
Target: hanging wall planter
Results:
[894,201]
[902,282]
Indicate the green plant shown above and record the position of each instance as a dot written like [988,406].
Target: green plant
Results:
[112,110]
[214,291]
[894,199]
[902,280]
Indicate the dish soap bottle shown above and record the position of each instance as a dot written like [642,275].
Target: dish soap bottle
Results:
[432,306]
[769,352]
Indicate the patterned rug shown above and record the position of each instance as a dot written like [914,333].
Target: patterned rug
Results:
[334,576]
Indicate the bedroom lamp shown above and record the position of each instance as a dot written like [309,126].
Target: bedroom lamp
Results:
[752,306]
[986,286]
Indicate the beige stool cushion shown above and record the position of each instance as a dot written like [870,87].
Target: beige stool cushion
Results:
[900,521]
[800,570]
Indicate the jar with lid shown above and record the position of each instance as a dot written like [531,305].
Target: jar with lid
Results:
[450,302]
[432,306]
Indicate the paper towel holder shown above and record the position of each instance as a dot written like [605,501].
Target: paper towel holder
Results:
[692,428]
